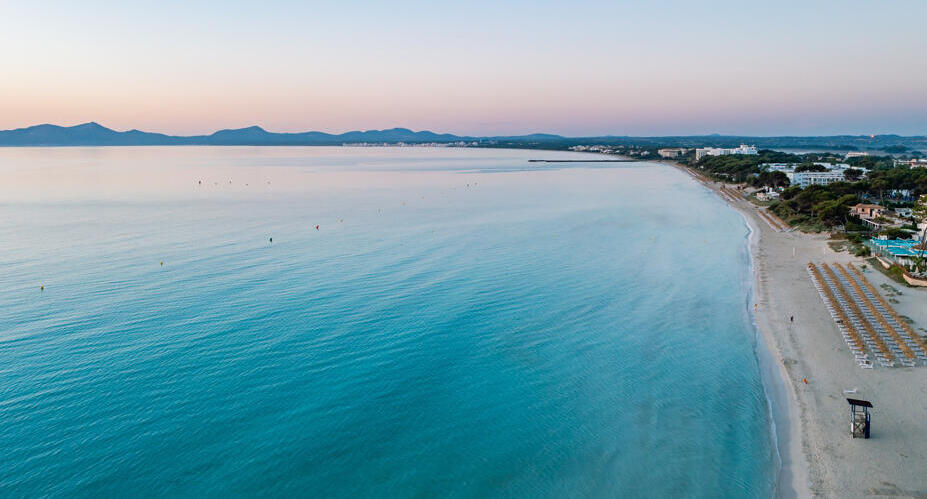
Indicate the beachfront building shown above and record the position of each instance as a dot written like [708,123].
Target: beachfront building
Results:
[873,216]
[672,152]
[767,195]
[720,151]
[804,179]
[867,210]
[789,167]
[834,173]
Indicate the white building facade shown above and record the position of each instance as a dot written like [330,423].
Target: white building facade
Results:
[672,152]
[719,151]
[804,179]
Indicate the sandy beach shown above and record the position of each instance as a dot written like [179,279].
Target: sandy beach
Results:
[819,457]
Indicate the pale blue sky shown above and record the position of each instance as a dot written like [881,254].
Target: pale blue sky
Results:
[576,68]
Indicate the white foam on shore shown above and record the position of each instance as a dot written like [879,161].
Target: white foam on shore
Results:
[782,410]
[765,362]
[774,382]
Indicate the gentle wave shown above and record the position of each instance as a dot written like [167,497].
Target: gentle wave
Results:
[559,333]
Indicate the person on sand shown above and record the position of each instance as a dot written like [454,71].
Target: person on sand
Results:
[792,318]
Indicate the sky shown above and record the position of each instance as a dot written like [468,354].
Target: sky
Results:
[576,68]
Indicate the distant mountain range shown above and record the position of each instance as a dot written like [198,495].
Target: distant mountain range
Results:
[94,134]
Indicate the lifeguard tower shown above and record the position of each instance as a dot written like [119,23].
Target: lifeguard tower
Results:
[859,418]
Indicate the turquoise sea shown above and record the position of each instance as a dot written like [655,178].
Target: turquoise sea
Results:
[461,323]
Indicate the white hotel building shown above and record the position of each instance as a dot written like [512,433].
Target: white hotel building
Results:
[804,179]
[718,151]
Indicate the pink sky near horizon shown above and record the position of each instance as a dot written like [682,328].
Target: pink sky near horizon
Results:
[593,69]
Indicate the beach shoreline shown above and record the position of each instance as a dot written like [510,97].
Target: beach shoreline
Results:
[807,371]
[791,481]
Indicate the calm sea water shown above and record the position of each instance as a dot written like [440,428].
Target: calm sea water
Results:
[461,323]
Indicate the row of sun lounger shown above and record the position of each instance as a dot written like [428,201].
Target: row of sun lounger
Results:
[877,319]
[729,194]
[775,218]
[866,320]
[882,351]
[905,332]
[849,332]
[772,222]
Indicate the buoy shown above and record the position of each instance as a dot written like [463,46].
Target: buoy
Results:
[316,227]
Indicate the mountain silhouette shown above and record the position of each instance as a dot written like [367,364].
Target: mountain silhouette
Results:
[94,134]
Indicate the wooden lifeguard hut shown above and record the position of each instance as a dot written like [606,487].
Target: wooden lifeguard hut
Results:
[859,417]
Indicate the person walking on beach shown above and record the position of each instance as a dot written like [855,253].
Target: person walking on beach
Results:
[792,318]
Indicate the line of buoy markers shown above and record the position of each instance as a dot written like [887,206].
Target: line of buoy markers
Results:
[271,239]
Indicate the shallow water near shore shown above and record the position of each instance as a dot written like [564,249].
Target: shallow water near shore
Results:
[462,322]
